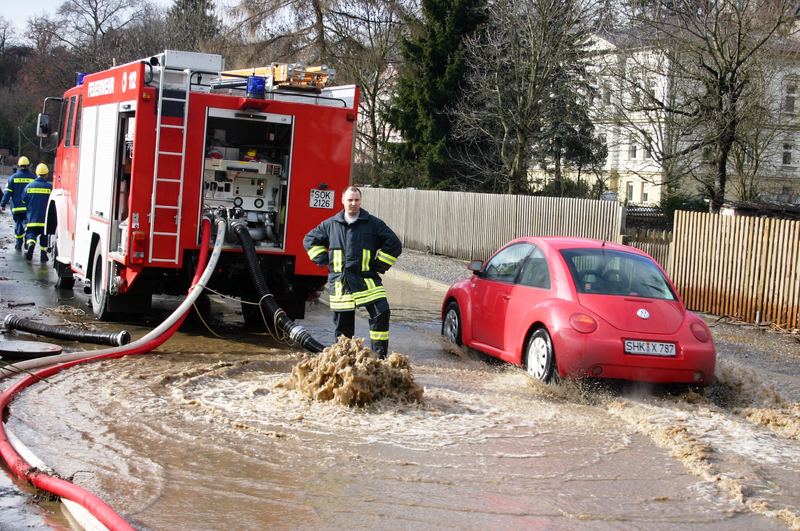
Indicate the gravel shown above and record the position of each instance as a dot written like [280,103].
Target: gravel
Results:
[433,266]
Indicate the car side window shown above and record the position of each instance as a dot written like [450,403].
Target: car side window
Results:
[505,265]
[535,272]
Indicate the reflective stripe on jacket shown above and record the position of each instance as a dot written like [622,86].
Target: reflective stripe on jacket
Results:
[356,254]
[35,199]
[16,188]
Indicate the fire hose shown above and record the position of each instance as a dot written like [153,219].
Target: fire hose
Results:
[51,483]
[12,322]
[267,302]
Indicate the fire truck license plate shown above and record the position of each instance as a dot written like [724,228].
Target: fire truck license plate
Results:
[321,198]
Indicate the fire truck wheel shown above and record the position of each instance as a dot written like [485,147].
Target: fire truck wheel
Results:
[99,293]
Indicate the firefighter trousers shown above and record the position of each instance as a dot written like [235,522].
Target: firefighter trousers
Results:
[36,233]
[19,228]
[378,325]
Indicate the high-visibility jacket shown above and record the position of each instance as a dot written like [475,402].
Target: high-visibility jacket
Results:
[16,188]
[356,254]
[35,199]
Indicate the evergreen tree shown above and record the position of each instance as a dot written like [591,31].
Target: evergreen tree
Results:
[428,84]
[524,98]
[191,23]
[566,138]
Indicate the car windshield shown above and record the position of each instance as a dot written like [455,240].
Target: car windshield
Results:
[606,272]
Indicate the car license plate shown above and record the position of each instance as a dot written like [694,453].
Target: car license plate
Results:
[321,198]
[650,348]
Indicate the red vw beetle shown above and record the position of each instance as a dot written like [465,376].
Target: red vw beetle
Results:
[574,307]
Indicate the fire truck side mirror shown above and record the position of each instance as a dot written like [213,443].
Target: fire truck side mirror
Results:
[43,126]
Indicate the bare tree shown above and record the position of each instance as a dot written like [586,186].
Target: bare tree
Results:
[296,26]
[91,20]
[7,34]
[710,52]
[515,68]
[365,48]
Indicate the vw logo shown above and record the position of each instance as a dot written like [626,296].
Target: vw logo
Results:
[644,314]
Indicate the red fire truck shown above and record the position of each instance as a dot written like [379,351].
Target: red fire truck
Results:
[146,149]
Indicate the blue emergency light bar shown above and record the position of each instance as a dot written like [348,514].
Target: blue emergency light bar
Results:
[256,87]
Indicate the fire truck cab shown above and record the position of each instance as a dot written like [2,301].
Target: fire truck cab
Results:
[146,149]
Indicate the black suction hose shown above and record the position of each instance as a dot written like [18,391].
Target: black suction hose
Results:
[296,332]
[12,322]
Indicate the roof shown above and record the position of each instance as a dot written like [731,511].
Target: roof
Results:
[558,243]
[770,210]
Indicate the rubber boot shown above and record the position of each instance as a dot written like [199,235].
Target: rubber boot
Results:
[29,251]
[43,256]
[18,245]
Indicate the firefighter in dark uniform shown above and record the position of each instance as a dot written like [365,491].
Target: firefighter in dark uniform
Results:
[357,247]
[36,197]
[13,193]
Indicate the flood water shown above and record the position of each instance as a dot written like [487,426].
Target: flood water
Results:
[202,435]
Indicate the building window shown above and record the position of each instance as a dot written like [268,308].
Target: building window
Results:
[645,195]
[789,98]
[648,152]
[787,154]
[632,148]
[606,94]
[629,190]
[636,100]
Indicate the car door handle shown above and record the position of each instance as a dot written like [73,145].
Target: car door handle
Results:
[506,297]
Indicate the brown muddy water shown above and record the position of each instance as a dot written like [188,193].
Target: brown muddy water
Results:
[205,434]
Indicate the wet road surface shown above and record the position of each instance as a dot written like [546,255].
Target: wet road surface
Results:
[200,435]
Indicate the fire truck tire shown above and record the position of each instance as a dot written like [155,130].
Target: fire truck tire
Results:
[99,294]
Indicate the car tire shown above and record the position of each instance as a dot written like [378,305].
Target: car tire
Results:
[451,325]
[540,359]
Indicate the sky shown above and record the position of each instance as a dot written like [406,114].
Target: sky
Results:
[19,11]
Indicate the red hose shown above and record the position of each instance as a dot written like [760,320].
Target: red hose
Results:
[60,487]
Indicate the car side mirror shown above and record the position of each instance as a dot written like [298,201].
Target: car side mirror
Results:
[475,266]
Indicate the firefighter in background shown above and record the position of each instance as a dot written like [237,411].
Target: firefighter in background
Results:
[36,197]
[357,247]
[14,191]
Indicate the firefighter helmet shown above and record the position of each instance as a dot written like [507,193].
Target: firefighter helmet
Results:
[42,169]
[23,161]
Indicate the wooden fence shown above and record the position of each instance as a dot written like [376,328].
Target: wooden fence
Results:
[742,267]
[655,242]
[469,225]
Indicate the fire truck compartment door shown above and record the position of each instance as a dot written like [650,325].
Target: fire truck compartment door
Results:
[95,179]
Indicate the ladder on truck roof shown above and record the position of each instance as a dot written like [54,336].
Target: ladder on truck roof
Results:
[167,196]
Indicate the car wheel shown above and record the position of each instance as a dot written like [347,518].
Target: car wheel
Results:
[451,326]
[540,360]
[99,292]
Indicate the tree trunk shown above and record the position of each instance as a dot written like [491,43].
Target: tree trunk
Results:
[319,29]
[559,184]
